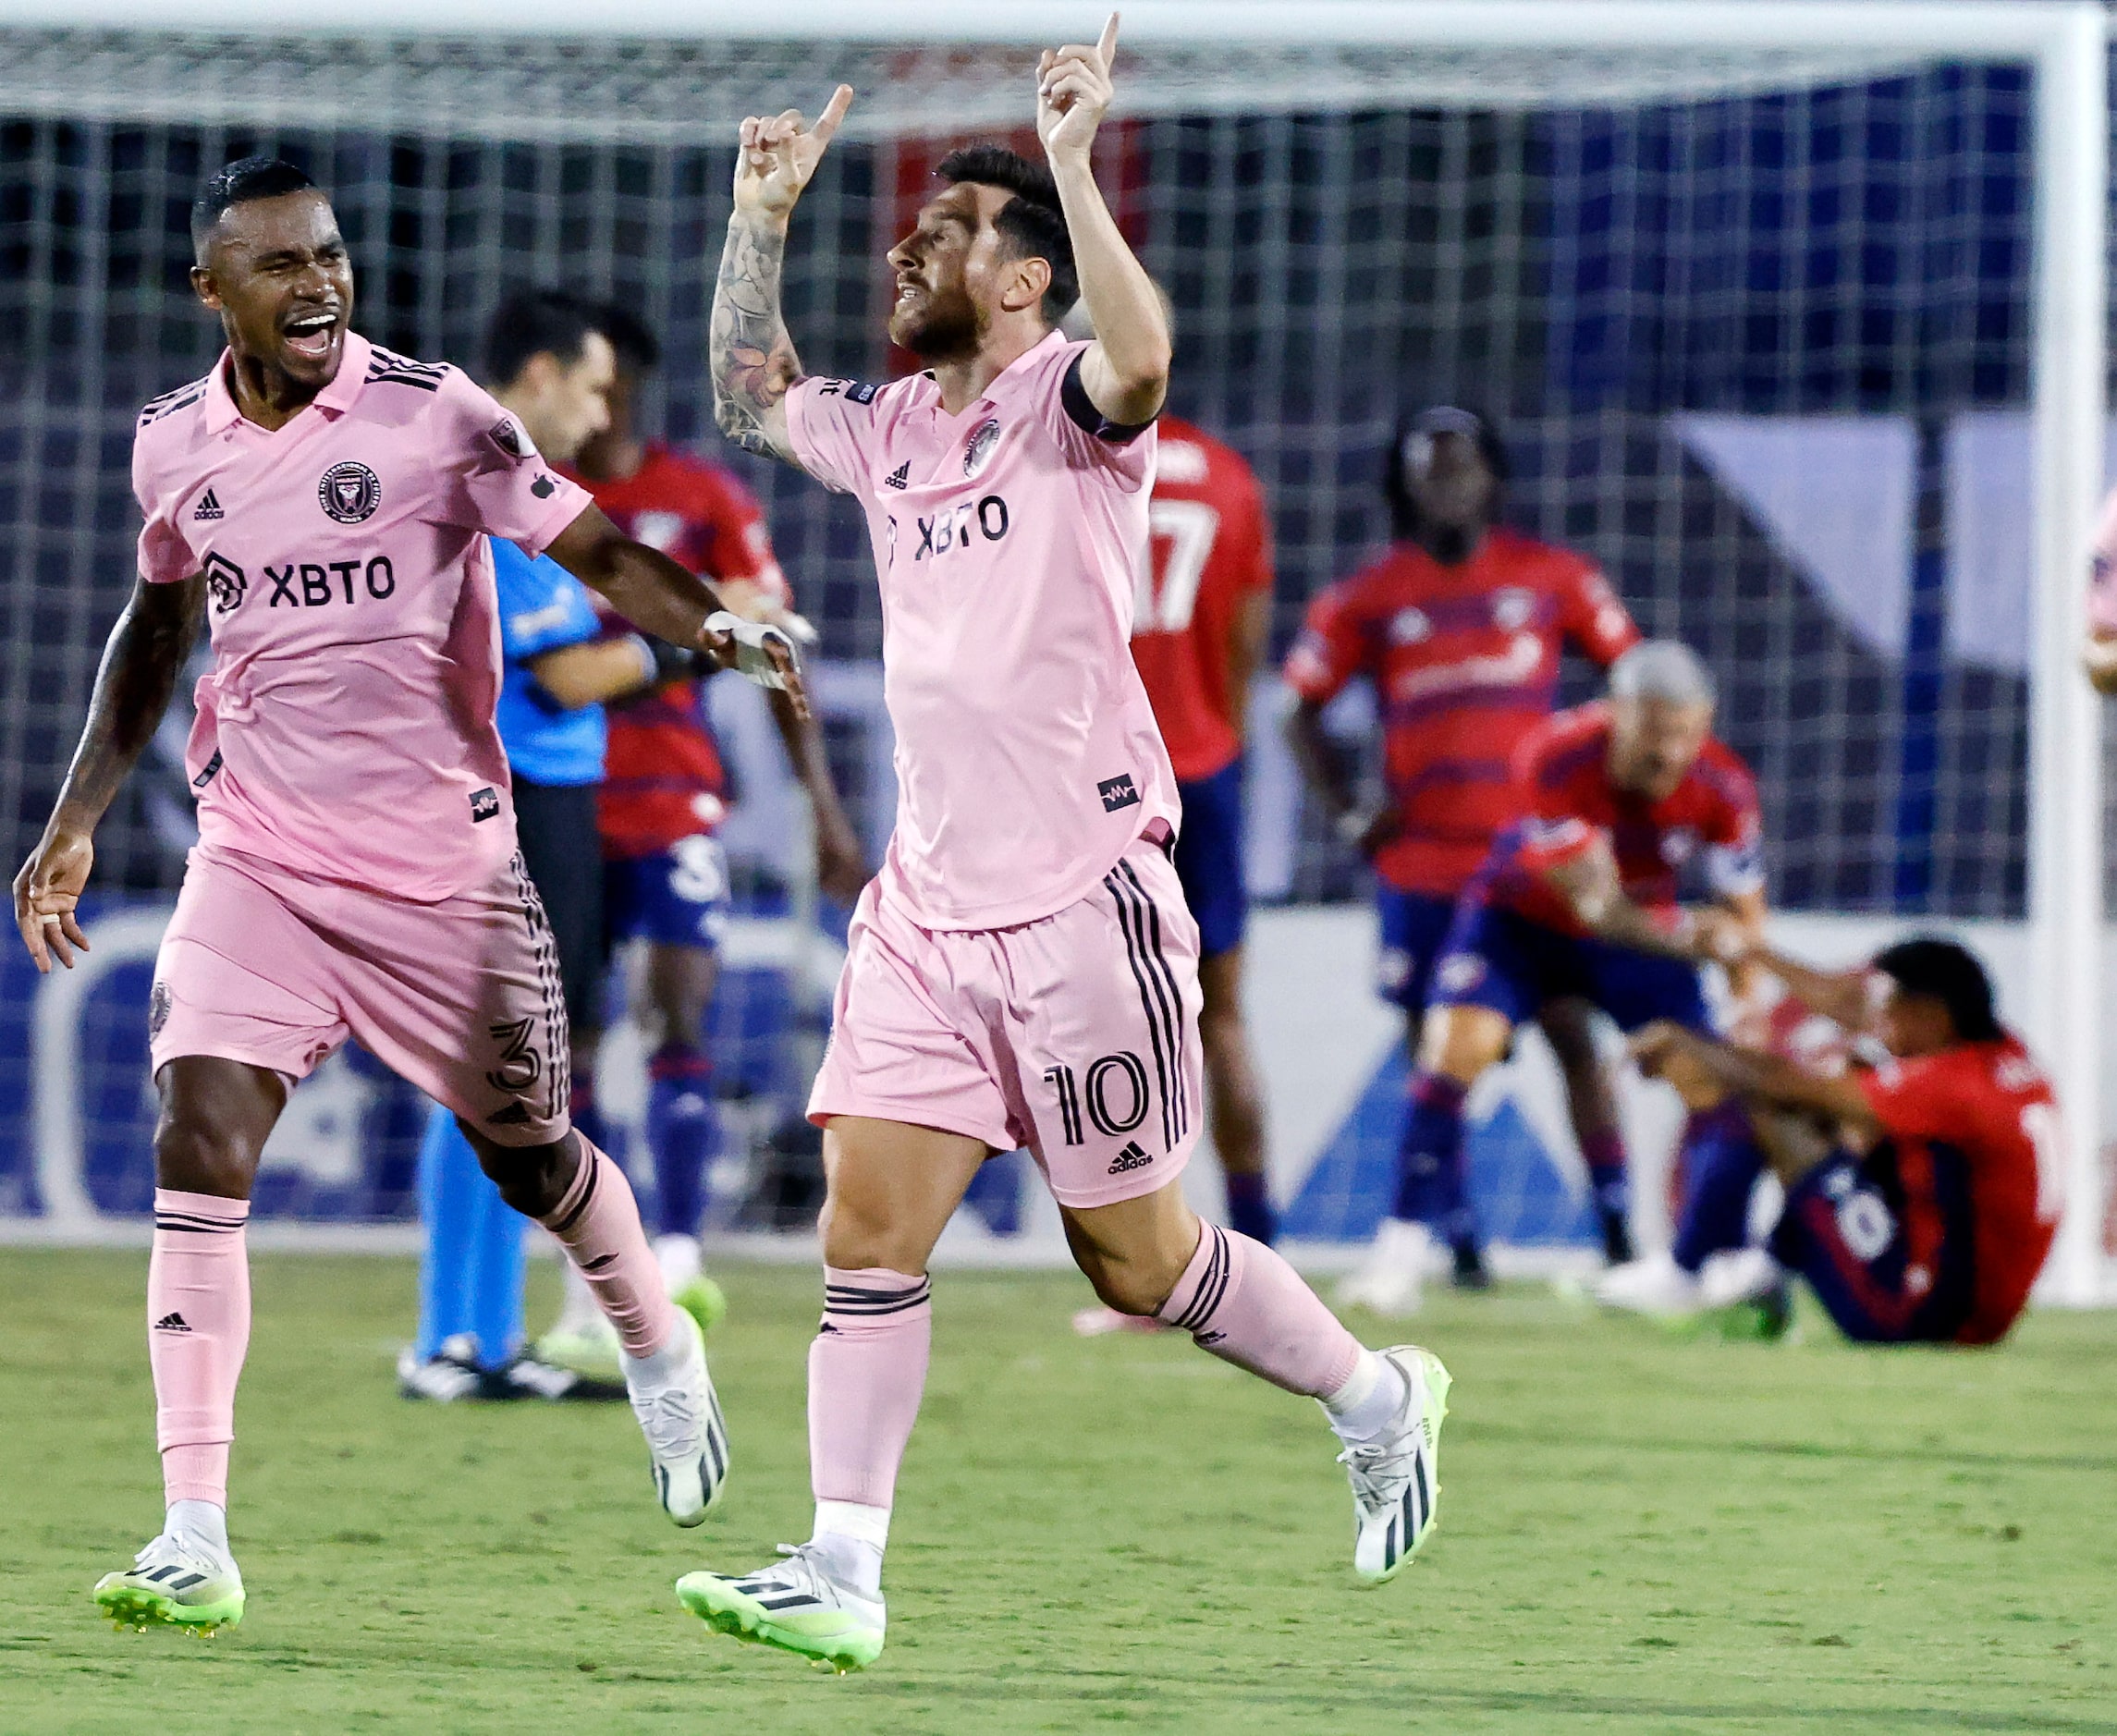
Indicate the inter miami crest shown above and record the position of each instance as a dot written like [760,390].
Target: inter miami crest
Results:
[225,579]
[978,453]
[351,491]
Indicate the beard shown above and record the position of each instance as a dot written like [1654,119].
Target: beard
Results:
[1452,545]
[944,324]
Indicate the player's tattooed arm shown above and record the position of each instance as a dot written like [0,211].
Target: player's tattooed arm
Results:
[141,663]
[1125,370]
[753,358]
[755,365]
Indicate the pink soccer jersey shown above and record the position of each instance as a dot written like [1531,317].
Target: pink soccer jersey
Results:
[345,726]
[1007,540]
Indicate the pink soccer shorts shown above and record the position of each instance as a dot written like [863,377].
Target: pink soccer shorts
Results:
[276,967]
[1075,1036]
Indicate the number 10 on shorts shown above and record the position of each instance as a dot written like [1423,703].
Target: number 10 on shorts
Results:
[1114,1092]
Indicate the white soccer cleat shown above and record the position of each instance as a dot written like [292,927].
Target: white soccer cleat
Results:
[795,1604]
[1738,1275]
[1656,1287]
[1396,1476]
[687,1437]
[1391,1278]
[174,1583]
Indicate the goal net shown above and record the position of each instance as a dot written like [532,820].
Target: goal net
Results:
[1767,299]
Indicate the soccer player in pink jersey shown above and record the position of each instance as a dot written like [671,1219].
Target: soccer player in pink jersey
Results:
[1022,972]
[322,506]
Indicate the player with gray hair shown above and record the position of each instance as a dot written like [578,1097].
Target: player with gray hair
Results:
[1579,899]
[1664,670]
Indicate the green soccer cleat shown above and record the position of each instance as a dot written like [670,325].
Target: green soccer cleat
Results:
[703,1300]
[794,1604]
[1396,1477]
[173,1584]
[593,1351]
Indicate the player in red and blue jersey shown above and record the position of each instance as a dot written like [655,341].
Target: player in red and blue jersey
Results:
[1199,630]
[664,794]
[1922,1196]
[1460,629]
[1578,901]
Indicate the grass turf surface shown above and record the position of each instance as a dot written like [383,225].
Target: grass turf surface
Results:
[1637,1534]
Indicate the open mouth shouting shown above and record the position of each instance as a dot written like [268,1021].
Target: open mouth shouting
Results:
[310,335]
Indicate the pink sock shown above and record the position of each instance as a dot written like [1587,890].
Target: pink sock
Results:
[198,1329]
[598,1224]
[1247,1306]
[867,1369]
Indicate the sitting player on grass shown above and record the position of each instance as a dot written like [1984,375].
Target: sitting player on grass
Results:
[1578,901]
[1921,1195]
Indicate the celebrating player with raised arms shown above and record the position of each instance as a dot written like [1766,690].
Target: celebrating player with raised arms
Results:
[1579,900]
[1459,629]
[322,506]
[1022,972]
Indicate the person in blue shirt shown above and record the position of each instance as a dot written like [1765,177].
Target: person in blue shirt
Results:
[551,369]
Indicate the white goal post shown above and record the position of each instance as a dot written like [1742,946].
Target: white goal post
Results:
[667,71]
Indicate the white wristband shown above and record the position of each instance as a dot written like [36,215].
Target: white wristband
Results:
[752,659]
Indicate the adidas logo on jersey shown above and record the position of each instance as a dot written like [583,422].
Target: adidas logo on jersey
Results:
[208,507]
[172,1322]
[900,477]
[1131,1158]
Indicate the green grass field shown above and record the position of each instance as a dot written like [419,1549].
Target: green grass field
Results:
[1637,1534]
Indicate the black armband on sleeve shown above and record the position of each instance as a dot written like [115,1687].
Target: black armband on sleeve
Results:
[1082,409]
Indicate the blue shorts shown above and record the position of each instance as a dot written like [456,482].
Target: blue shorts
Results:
[1414,930]
[1842,1232]
[1209,859]
[1499,959]
[677,898]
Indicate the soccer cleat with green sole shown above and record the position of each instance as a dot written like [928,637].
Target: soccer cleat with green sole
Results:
[173,1584]
[1396,1477]
[703,1300]
[795,1605]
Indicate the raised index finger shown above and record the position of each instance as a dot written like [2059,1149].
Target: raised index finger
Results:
[1108,47]
[834,112]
